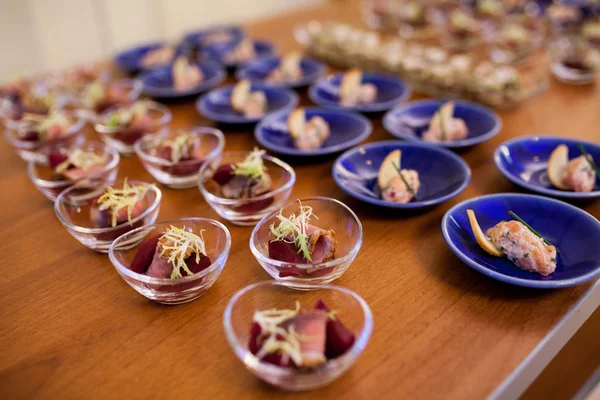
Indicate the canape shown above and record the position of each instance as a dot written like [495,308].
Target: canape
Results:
[174,158]
[35,132]
[397,185]
[287,71]
[97,215]
[498,85]
[249,103]
[292,70]
[158,57]
[177,261]
[353,91]
[307,134]
[100,95]
[55,169]
[444,127]
[242,187]
[309,240]
[241,52]
[120,127]
[575,60]
[186,75]
[578,174]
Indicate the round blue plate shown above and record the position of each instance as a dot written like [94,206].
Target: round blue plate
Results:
[574,232]
[347,129]
[442,173]
[258,70]
[218,52]
[524,160]
[391,91]
[216,104]
[129,60]
[411,120]
[159,83]
[199,37]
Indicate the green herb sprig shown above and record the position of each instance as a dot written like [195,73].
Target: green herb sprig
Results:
[410,189]
[536,233]
[589,159]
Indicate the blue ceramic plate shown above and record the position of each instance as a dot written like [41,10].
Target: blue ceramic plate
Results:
[218,52]
[391,91]
[216,104]
[200,37]
[159,83]
[411,120]
[443,174]
[346,130]
[524,160]
[574,232]
[129,60]
[258,70]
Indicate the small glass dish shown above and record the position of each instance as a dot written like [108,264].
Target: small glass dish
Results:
[27,149]
[180,290]
[246,211]
[461,30]
[238,316]
[513,41]
[72,208]
[41,174]
[331,214]
[122,141]
[182,174]
[129,91]
[574,61]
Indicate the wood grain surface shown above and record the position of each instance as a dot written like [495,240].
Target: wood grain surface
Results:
[70,328]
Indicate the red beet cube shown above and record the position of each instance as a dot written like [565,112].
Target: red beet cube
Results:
[143,256]
[203,263]
[56,158]
[223,174]
[254,206]
[339,338]
[255,343]
[285,252]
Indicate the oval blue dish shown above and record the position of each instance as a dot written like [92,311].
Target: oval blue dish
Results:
[442,173]
[258,70]
[218,52]
[216,104]
[347,129]
[130,60]
[391,91]
[202,37]
[411,120]
[158,82]
[572,231]
[524,160]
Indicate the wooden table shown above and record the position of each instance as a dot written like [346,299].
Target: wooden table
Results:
[71,328]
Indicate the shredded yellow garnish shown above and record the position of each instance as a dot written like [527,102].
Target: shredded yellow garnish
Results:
[80,159]
[117,199]
[288,342]
[94,92]
[45,122]
[124,115]
[180,146]
[253,166]
[296,227]
[177,245]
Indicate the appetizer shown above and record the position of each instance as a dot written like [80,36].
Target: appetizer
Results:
[496,84]
[299,338]
[181,150]
[157,57]
[579,57]
[242,52]
[443,127]
[20,98]
[563,15]
[244,180]
[251,104]
[307,135]
[591,32]
[579,174]
[517,241]
[99,96]
[42,129]
[490,9]
[130,122]
[288,70]
[118,206]
[353,92]
[515,40]
[174,254]
[397,185]
[463,27]
[186,75]
[297,241]
[78,164]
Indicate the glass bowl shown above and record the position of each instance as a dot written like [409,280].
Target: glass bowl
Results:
[132,87]
[237,320]
[27,149]
[183,174]
[72,208]
[513,42]
[567,64]
[116,138]
[331,214]
[180,290]
[40,172]
[246,211]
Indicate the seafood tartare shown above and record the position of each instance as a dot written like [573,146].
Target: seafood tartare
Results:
[288,70]
[578,174]
[397,185]
[307,135]
[443,127]
[354,92]
[250,103]
[186,75]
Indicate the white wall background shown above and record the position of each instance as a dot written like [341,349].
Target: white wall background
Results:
[43,35]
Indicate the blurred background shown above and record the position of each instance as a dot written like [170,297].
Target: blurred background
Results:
[42,35]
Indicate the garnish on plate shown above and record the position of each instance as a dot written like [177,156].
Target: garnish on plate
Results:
[250,103]
[397,185]
[288,69]
[443,127]
[307,135]
[118,205]
[299,338]
[518,241]
[353,92]
[245,179]
[579,174]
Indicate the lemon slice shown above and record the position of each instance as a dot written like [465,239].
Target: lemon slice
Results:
[445,113]
[388,171]
[240,94]
[295,122]
[350,82]
[482,240]
[557,166]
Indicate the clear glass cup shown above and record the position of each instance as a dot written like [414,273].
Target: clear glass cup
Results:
[72,207]
[41,173]
[246,211]
[513,41]
[574,61]
[329,214]
[27,149]
[117,138]
[132,88]
[183,174]
[173,291]
[352,310]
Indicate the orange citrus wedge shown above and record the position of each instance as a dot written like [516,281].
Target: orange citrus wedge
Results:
[482,240]
[557,166]
[388,171]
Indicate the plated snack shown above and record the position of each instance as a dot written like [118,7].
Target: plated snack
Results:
[512,42]
[463,30]
[245,179]
[578,174]
[590,31]
[99,95]
[25,97]
[307,134]
[118,205]
[575,60]
[241,52]
[397,185]
[250,103]
[444,127]
[186,75]
[353,91]
[157,57]
[409,17]
[287,71]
